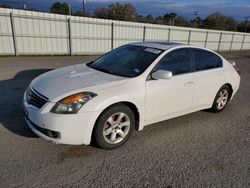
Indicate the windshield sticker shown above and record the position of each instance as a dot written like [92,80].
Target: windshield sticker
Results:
[152,50]
[137,70]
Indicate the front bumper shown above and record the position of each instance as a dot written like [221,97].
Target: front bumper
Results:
[73,129]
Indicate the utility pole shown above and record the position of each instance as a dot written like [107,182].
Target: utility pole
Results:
[69,9]
[173,21]
[84,7]
[195,17]
[246,23]
[24,5]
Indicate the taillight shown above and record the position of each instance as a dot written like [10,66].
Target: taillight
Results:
[237,69]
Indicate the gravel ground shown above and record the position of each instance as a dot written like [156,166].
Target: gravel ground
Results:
[201,149]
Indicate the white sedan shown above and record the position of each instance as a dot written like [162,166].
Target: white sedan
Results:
[128,88]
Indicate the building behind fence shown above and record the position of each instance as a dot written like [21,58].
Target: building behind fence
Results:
[36,33]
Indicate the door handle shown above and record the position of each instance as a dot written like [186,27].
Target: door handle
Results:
[189,83]
[219,75]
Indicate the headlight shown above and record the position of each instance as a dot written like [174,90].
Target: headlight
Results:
[73,103]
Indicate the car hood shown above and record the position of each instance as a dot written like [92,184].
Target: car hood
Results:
[60,83]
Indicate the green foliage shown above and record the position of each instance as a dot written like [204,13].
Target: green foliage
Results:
[220,22]
[78,13]
[117,11]
[4,5]
[244,26]
[127,12]
[60,8]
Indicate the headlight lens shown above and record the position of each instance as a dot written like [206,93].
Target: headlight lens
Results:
[73,103]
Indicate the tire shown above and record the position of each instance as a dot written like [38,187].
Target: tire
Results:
[114,126]
[221,99]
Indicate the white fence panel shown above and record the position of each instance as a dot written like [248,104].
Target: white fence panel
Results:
[213,40]
[35,33]
[198,38]
[237,42]
[180,36]
[226,39]
[159,34]
[126,33]
[246,44]
[6,40]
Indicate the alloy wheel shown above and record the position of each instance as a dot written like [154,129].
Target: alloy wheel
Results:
[116,128]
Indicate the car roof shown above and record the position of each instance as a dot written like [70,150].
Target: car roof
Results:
[158,45]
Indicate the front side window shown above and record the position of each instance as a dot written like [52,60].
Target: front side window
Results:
[205,60]
[177,61]
[126,61]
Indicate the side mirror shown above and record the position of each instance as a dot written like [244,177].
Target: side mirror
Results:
[162,74]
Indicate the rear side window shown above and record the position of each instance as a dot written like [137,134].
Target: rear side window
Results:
[177,61]
[218,61]
[205,60]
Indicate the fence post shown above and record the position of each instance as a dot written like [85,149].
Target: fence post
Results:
[189,36]
[219,41]
[112,36]
[169,34]
[144,34]
[70,37]
[13,33]
[231,45]
[243,41]
[205,45]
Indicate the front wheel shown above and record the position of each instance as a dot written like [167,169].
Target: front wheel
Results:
[221,99]
[114,126]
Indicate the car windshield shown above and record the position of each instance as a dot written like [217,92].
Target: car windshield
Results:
[126,61]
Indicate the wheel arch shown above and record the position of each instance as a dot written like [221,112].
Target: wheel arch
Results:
[131,105]
[230,88]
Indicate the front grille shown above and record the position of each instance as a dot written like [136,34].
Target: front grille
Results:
[36,99]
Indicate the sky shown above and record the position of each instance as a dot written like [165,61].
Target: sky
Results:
[239,9]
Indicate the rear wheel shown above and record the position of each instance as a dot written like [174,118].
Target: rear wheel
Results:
[221,99]
[114,126]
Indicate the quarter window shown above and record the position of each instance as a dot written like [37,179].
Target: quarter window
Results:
[205,60]
[178,62]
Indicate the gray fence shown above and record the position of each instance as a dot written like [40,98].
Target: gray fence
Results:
[35,33]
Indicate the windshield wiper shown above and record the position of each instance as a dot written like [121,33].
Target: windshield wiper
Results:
[107,71]
[101,69]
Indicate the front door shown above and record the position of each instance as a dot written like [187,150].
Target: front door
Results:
[167,97]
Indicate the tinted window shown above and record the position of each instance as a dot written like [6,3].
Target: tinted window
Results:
[218,61]
[178,62]
[127,61]
[205,60]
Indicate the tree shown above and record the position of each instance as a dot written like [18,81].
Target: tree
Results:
[197,22]
[220,22]
[244,26]
[60,8]
[230,24]
[139,18]
[78,13]
[129,11]
[117,11]
[4,5]
[170,18]
[159,20]
[149,19]
[181,21]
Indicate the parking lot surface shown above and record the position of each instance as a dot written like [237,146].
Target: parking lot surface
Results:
[201,149]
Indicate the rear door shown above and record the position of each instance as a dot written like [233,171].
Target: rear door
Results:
[209,77]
